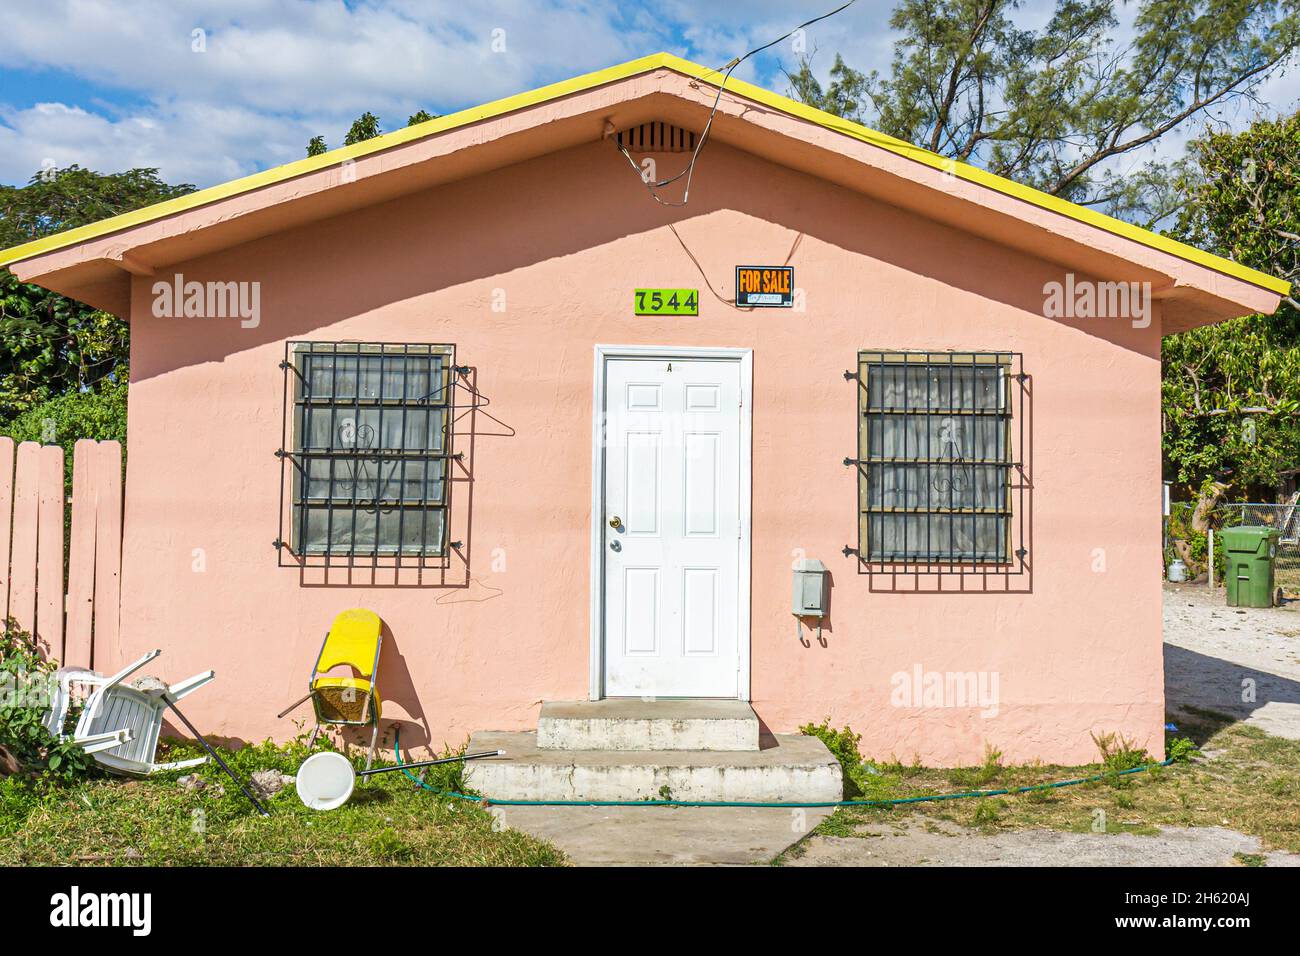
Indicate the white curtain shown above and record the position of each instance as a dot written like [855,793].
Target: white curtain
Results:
[363,502]
[937,454]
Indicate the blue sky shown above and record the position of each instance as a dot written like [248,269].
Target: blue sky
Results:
[111,84]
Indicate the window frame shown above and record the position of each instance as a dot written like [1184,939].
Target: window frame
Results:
[1005,510]
[434,548]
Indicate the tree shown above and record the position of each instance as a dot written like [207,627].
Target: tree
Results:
[49,344]
[364,127]
[1231,392]
[1049,107]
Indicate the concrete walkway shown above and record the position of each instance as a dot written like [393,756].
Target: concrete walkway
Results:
[917,842]
[665,836]
[1243,662]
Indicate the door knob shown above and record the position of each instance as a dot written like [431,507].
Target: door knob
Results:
[616,523]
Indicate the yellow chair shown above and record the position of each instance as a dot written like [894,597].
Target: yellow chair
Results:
[354,641]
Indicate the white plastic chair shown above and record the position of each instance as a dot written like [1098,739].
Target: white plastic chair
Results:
[63,693]
[121,723]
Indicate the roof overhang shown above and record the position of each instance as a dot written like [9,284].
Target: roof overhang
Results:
[94,263]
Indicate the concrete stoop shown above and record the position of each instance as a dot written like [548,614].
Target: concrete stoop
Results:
[797,769]
[623,724]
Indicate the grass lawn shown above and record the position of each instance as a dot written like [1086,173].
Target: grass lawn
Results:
[1245,780]
[113,821]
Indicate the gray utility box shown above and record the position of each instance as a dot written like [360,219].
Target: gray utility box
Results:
[809,588]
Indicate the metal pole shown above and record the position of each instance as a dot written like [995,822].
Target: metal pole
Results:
[300,700]
[1211,559]
[215,756]
[430,763]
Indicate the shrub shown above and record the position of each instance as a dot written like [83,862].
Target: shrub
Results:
[843,745]
[1119,753]
[100,415]
[25,681]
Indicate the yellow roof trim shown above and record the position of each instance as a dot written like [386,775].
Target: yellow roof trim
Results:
[623,71]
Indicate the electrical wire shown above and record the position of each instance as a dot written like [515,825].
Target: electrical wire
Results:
[689,171]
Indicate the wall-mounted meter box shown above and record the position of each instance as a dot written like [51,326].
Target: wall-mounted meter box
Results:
[809,588]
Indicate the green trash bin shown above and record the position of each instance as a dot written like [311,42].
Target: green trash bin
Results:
[1251,551]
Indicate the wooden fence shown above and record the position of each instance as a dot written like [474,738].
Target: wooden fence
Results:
[71,606]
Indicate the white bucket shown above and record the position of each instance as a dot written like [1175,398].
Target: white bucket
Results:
[325,780]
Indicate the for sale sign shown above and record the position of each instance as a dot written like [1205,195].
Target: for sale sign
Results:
[765,286]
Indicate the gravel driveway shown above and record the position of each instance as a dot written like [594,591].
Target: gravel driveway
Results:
[1244,662]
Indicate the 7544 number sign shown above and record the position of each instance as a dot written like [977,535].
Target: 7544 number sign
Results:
[667,301]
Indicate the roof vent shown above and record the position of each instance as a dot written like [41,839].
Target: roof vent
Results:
[656,138]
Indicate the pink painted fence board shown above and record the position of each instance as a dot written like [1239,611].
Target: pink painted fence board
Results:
[6,517]
[32,502]
[49,548]
[81,558]
[22,563]
[106,477]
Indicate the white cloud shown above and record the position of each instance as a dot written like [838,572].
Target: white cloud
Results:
[276,72]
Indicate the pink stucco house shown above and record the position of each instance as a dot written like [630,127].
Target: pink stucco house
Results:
[410,375]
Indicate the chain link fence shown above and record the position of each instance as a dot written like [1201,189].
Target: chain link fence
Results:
[1284,517]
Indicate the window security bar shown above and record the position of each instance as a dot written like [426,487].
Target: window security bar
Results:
[369,432]
[944,484]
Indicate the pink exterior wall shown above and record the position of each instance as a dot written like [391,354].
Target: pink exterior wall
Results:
[567,237]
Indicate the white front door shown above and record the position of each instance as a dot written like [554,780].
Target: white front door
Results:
[672,527]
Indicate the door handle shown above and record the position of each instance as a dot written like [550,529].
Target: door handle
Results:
[616,523]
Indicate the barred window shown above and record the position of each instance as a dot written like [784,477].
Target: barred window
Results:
[371,442]
[935,457]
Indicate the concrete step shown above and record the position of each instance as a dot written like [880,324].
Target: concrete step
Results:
[797,769]
[633,724]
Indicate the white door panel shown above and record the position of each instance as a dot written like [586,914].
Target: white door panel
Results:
[672,565]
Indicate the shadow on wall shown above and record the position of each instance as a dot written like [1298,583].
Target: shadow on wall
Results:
[469,421]
[324,274]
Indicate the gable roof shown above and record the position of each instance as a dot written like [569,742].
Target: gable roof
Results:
[39,259]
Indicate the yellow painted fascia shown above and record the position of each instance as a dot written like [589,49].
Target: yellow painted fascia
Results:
[622,71]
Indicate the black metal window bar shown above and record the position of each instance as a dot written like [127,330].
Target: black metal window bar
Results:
[942,481]
[366,454]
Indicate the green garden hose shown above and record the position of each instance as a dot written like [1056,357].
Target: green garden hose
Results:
[754,803]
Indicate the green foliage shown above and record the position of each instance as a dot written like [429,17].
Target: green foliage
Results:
[49,344]
[1198,545]
[1119,753]
[58,199]
[364,127]
[843,745]
[1231,392]
[62,420]
[988,811]
[1049,106]
[973,778]
[25,682]
[1181,749]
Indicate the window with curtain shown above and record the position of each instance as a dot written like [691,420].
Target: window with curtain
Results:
[371,444]
[934,452]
